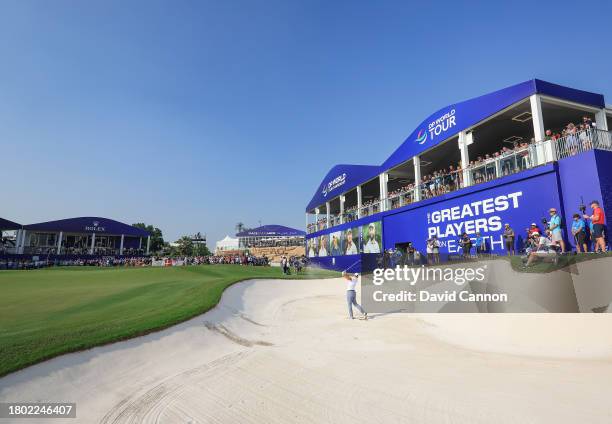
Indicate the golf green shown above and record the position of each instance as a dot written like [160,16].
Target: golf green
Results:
[47,312]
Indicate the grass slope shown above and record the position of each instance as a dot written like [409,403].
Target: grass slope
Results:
[47,312]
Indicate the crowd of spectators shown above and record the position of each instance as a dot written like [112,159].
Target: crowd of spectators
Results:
[13,262]
[16,262]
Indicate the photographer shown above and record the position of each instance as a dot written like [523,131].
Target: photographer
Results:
[598,221]
[579,233]
[554,226]
[546,249]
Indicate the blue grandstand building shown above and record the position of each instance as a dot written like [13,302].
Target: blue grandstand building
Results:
[506,157]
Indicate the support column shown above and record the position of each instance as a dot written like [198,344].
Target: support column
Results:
[464,141]
[537,117]
[359,202]
[121,245]
[342,199]
[382,180]
[317,219]
[59,243]
[327,215]
[23,242]
[417,177]
[148,244]
[93,243]
[601,121]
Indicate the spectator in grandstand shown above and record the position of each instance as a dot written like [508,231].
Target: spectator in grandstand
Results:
[587,122]
[351,248]
[554,225]
[579,233]
[597,220]
[372,245]
[509,239]
[351,294]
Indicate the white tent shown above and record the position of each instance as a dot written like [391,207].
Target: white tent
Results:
[227,243]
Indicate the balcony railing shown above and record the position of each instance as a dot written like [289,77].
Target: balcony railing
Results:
[582,141]
[491,168]
[400,198]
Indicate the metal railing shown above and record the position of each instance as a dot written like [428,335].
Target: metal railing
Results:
[400,198]
[582,141]
[370,209]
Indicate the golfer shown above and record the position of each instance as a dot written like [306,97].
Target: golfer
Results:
[351,294]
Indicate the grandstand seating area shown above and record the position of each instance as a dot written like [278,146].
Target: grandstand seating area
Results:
[274,254]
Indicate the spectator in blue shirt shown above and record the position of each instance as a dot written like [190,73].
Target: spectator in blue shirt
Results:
[554,225]
[480,244]
[579,233]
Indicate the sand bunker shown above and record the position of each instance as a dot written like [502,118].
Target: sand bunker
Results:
[283,351]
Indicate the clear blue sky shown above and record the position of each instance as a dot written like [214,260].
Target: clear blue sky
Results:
[193,116]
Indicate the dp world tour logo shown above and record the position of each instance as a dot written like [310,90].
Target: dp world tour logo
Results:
[421,136]
[333,184]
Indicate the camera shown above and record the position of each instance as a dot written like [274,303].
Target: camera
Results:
[545,221]
[582,208]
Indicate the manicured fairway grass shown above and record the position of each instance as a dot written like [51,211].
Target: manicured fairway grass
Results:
[47,312]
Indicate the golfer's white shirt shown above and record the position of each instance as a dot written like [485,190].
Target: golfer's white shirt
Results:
[350,284]
[371,247]
[323,252]
[352,250]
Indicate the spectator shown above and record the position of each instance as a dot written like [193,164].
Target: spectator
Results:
[509,239]
[598,221]
[545,248]
[479,244]
[466,245]
[554,225]
[579,233]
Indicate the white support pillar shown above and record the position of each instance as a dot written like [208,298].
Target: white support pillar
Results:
[93,243]
[417,178]
[382,180]
[464,141]
[537,117]
[601,121]
[317,219]
[359,202]
[327,214]
[24,234]
[59,243]
[121,245]
[342,200]
[19,241]
[148,244]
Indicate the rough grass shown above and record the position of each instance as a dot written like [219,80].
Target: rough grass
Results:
[48,312]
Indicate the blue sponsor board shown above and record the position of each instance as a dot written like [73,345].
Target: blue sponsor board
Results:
[486,212]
